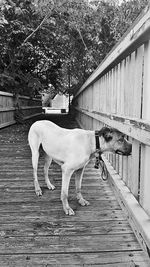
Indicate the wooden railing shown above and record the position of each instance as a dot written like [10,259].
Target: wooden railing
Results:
[29,107]
[118,94]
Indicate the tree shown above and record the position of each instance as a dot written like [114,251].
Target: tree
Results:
[25,56]
[45,42]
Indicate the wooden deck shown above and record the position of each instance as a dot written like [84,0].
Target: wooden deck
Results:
[36,232]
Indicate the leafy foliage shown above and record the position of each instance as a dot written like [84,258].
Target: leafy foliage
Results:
[55,42]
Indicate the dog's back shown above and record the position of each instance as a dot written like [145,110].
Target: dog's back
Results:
[57,142]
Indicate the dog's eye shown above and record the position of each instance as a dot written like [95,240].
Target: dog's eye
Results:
[121,140]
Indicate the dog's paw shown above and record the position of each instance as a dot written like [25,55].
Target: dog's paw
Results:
[50,186]
[38,192]
[69,211]
[83,202]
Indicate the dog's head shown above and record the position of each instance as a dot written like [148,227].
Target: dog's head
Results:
[115,141]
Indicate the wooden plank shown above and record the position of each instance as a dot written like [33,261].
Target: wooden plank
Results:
[112,259]
[145,150]
[95,96]
[117,163]
[57,228]
[138,80]
[144,178]
[118,84]
[106,93]
[114,96]
[109,91]
[54,204]
[6,94]
[134,169]
[5,124]
[122,86]
[32,116]
[68,244]
[30,107]
[131,77]
[120,165]
[129,168]
[146,80]
[112,90]
[6,109]
[81,216]
[126,86]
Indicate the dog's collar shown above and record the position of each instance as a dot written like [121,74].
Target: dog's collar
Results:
[97,140]
[99,160]
[98,149]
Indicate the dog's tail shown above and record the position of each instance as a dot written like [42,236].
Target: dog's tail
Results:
[33,139]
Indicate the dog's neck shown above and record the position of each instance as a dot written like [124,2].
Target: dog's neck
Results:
[95,147]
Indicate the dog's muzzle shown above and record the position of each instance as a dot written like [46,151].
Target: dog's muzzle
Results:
[126,151]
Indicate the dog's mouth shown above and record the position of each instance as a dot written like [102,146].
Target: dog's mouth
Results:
[119,152]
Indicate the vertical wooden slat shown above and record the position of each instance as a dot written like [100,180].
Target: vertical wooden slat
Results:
[107,95]
[125,110]
[99,94]
[138,80]
[96,97]
[120,106]
[120,165]
[125,169]
[111,91]
[122,87]
[130,89]
[129,169]
[134,182]
[145,150]
[102,94]
[137,67]
[114,92]
[119,90]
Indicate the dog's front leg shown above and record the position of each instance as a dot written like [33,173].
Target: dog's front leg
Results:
[78,181]
[66,176]
[48,161]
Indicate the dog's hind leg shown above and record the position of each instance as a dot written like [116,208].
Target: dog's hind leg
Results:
[78,182]
[34,145]
[35,157]
[48,161]
[66,176]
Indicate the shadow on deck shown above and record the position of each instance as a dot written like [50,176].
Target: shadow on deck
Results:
[36,232]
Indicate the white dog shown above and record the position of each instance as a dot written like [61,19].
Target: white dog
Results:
[72,149]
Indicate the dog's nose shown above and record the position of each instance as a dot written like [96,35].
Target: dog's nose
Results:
[129,152]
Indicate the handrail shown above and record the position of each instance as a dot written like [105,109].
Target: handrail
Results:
[137,34]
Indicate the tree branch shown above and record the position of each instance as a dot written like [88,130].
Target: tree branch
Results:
[85,44]
[38,27]
[30,35]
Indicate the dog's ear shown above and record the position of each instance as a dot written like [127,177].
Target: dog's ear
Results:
[106,132]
